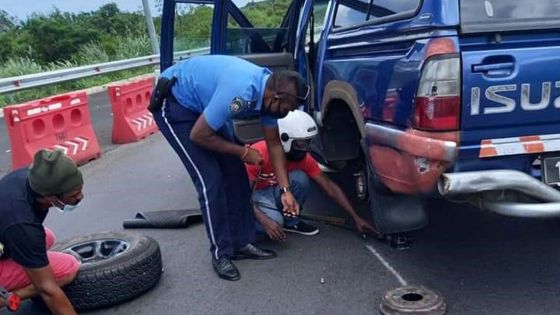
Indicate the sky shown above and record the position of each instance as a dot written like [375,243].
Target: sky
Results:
[22,8]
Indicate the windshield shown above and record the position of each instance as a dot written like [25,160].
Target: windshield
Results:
[511,15]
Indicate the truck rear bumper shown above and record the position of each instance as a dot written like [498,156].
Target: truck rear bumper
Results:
[410,161]
[479,183]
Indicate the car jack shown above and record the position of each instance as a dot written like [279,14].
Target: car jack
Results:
[400,241]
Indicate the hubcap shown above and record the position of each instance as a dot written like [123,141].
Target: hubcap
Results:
[98,250]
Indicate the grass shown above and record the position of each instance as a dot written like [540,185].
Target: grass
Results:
[91,53]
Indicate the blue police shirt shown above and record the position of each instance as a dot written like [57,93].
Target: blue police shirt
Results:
[221,88]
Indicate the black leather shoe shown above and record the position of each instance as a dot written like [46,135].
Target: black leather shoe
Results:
[225,269]
[251,251]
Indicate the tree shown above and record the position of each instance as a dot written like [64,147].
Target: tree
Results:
[7,22]
[57,36]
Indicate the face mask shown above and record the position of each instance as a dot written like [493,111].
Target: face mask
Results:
[267,111]
[296,155]
[65,207]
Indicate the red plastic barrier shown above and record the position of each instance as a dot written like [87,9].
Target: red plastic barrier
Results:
[131,119]
[60,122]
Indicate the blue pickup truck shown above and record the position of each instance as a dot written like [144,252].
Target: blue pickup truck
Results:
[454,98]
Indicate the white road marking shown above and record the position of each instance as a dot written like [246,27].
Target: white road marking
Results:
[387,265]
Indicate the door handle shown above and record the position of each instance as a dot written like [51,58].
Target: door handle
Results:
[494,69]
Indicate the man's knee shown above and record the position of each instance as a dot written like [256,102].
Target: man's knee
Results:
[65,267]
[299,181]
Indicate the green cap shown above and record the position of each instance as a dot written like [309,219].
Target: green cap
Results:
[53,173]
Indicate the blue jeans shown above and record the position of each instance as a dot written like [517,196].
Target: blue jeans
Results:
[268,200]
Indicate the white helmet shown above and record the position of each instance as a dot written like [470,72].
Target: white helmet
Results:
[297,125]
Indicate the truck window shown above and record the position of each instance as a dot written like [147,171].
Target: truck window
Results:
[193,23]
[264,30]
[319,15]
[511,15]
[355,12]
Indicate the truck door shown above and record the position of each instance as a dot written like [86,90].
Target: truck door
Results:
[185,29]
[263,32]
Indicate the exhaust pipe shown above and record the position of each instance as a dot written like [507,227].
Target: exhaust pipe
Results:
[474,182]
[523,210]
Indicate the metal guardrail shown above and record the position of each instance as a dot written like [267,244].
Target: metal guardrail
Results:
[27,81]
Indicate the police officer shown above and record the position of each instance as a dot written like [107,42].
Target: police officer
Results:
[195,116]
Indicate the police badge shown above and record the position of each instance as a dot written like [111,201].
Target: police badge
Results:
[236,105]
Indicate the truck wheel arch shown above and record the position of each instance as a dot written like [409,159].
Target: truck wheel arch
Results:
[340,91]
[342,122]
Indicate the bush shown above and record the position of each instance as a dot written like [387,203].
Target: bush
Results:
[20,66]
[91,53]
[130,47]
[25,65]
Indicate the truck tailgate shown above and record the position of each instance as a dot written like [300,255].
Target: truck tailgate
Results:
[511,93]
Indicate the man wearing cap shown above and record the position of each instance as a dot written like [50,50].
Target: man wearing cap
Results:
[52,181]
[194,103]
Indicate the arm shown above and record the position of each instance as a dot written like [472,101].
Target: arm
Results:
[215,116]
[273,229]
[203,135]
[44,282]
[278,160]
[334,191]
[26,242]
[277,155]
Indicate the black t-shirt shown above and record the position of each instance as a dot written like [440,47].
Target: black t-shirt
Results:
[21,226]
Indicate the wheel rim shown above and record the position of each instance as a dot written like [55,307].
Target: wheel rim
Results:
[98,250]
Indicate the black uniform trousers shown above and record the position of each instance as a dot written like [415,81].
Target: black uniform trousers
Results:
[220,179]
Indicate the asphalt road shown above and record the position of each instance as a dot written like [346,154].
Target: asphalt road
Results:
[481,263]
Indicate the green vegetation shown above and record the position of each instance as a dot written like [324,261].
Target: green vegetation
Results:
[63,40]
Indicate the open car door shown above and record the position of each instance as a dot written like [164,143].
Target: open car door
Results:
[269,43]
[265,32]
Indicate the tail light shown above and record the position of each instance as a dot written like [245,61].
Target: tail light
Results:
[438,100]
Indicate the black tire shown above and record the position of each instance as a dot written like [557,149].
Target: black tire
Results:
[119,278]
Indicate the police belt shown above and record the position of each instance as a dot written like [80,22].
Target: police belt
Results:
[161,91]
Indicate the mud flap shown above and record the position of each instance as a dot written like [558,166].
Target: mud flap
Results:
[394,213]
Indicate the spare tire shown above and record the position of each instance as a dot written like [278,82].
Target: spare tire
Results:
[116,267]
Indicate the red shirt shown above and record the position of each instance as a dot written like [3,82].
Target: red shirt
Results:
[267,178]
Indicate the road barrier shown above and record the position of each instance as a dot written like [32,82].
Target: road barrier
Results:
[131,119]
[60,122]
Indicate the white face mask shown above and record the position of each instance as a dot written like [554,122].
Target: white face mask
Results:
[65,207]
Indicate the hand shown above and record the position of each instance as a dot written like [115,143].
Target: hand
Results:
[364,227]
[274,230]
[291,207]
[253,157]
